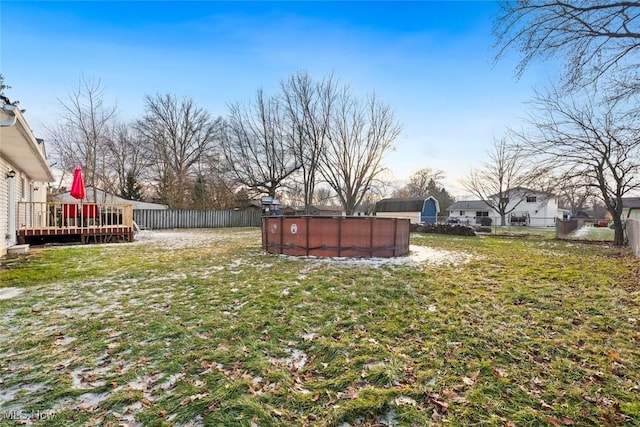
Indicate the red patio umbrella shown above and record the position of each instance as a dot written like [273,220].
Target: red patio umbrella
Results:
[77,186]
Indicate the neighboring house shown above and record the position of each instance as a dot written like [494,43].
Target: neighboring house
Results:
[630,208]
[469,212]
[24,171]
[106,197]
[525,207]
[364,210]
[420,210]
[314,210]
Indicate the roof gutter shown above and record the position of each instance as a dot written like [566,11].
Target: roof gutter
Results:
[9,109]
[15,120]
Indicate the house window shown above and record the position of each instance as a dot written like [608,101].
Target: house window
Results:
[504,200]
[481,214]
[532,199]
[461,213]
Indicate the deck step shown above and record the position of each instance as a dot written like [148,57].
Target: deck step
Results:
[18,249]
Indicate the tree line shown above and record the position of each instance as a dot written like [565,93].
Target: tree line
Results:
[313,140]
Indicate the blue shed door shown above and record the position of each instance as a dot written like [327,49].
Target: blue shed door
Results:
[429,214]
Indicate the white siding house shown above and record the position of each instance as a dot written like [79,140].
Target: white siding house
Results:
[469,212]
[24,171]
[525,207]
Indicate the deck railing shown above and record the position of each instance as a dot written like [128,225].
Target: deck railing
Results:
[61,215]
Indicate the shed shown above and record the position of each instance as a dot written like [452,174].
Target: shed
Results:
[420,210]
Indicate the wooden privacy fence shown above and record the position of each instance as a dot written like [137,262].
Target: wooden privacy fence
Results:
[566,227]
[188,218]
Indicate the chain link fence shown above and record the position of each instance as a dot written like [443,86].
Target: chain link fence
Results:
[594,230]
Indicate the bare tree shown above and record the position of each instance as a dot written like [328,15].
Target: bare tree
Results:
[501,181]
[292,191]
[255,146]
[596,142]
[379,190]
[212,189]
[419,183]
[360,133]
[594,37]
[308,108]
[574,192]
[179,133]
[323,196]
[79,139]
[129,159]
[427,182]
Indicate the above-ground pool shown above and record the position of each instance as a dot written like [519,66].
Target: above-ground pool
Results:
[325,236]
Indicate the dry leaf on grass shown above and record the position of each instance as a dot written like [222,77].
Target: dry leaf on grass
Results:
[193,398]
[471,379]
[405,400]
[499,372]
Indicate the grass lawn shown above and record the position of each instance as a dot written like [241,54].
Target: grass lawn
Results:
[589,232]
[525,231]
[203,328]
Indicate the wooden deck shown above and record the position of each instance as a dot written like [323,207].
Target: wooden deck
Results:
[51,222]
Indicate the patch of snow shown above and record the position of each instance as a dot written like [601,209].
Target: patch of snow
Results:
[90,401]
[297,359]
[181,239]
[64,341]
[8,293]
[417,255]
[196,422]
[389,419]
[309,336]
[128,417]
[76,378]
[7,317]
[580,232]
[138,384]
[170,382]
[7,395]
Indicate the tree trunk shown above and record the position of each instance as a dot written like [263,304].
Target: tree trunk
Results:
[618,228]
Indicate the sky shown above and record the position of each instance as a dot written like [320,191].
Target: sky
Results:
[432,62]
